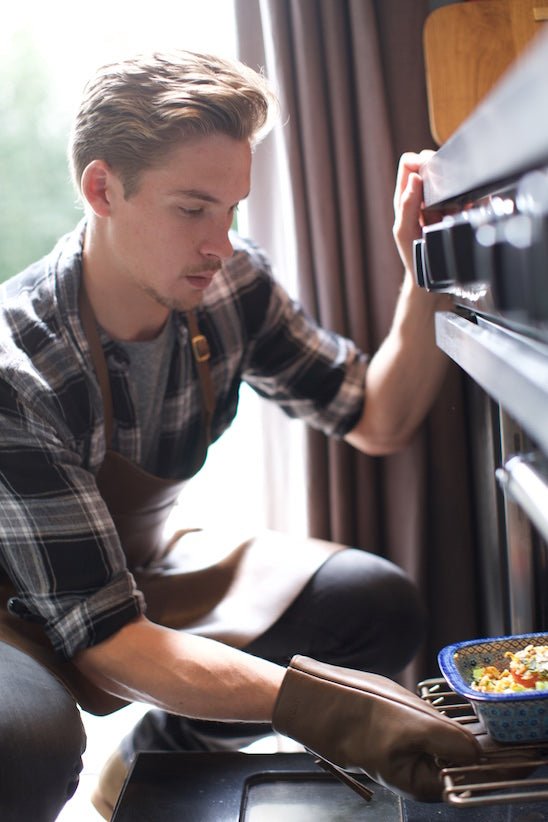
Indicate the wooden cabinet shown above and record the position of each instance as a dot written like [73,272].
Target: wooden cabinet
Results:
[467,47]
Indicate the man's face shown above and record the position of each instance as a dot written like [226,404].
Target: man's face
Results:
[170,236]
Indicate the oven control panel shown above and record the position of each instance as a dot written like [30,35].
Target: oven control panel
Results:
[494,248]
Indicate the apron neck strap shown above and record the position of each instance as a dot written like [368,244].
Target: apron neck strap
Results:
[89,324]
[202,354]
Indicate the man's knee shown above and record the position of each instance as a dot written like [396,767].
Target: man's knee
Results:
[358,610]
[373,612]
[41,740]
[367,586]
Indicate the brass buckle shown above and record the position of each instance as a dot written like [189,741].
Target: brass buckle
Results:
[200,347]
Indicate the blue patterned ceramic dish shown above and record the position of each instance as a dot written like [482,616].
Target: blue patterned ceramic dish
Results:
[517,717]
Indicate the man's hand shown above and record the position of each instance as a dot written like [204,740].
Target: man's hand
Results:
[358,720]
[408,201]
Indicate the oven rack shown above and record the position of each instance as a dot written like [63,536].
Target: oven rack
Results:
[506,773]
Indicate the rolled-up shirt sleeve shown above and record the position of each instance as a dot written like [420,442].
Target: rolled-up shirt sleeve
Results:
[58,544]
[310,372]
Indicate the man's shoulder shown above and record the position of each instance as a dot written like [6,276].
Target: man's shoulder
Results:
[32,296]
[248,256]
[36,307]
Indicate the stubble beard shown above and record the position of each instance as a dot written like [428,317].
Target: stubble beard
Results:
[172,303]
[190,301]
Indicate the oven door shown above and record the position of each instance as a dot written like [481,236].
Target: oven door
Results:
[508,403]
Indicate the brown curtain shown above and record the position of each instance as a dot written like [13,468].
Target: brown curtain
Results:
[350,75]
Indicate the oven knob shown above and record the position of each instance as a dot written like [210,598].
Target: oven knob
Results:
[532,193]
[437,265]
[524,257]
[517,236]
[532,202]
[512,254]
[461,241]
[503,254]
[486,252]
[419,263]
[536,269]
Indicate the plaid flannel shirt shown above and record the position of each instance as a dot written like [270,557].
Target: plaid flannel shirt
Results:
[58,544]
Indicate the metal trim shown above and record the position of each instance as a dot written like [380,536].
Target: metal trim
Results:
[512,370]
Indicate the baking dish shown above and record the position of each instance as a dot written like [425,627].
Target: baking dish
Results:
[508,717]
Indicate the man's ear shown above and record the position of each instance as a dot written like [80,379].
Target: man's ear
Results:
[96,185]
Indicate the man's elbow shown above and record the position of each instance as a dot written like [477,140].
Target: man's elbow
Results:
[380,441]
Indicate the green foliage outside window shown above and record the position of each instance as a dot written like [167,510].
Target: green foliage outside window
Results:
[37,201]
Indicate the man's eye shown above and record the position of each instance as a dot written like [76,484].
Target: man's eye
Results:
[191,212]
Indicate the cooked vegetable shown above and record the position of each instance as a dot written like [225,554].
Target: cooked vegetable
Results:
[527,671]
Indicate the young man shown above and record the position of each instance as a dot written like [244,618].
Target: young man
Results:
[121,354]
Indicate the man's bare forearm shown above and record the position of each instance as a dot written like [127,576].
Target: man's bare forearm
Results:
[404,376]
[183,674]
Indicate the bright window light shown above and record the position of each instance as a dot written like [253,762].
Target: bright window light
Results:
[47,53]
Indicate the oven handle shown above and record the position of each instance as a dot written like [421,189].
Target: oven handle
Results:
[526,486]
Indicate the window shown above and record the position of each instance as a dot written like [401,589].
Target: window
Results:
[47,52]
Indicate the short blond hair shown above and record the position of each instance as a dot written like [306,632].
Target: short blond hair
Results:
[135,111]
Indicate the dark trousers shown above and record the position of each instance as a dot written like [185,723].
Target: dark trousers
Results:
[41,740]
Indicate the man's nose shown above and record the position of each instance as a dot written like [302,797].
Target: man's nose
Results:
[217,244]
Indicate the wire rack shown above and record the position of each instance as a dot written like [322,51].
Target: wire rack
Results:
[505,774]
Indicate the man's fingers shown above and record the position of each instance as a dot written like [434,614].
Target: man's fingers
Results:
[410,162]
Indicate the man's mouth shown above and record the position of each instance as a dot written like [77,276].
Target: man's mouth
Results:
[200,281]
[201,278]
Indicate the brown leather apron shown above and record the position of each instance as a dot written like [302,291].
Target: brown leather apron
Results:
[232,597]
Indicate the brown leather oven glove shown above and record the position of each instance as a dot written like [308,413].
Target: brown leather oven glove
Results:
[358,720]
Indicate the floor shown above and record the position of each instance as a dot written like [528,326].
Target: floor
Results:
[104,733]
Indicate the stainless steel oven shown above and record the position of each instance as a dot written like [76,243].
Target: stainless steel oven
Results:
[485,241]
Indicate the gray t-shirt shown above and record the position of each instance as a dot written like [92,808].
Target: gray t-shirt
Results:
[148,372]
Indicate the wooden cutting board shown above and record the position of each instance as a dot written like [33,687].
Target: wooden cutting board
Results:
[467,47]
